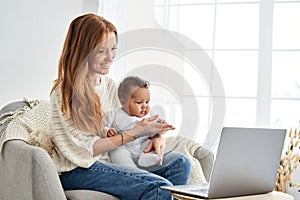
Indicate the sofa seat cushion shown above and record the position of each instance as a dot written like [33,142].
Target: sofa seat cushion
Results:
[88,195]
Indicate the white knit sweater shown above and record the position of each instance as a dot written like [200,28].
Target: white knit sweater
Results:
[73,147]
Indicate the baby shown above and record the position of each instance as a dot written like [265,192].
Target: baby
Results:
[134,96]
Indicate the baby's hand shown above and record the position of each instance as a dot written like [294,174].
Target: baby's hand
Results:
[111,132]
[166,127]
[162,121]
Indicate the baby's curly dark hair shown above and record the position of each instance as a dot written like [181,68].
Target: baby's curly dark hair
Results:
[125,87]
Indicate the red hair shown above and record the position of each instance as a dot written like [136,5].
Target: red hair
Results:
[78,97]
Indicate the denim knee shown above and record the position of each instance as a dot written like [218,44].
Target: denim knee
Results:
[186,164]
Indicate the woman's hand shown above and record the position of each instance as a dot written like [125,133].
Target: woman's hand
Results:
[146,127]
[158,145]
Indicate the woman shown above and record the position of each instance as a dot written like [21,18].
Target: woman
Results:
[79,97]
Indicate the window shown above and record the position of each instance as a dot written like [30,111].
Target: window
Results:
[254,45]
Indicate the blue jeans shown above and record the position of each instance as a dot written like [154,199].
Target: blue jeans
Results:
[130,183]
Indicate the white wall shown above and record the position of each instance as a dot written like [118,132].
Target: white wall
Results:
[31,38]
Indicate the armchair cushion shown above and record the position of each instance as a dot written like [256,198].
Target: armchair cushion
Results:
[88,195]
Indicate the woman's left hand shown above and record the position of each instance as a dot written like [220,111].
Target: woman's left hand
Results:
[158,145]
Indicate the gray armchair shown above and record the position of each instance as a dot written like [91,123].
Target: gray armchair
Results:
[27,172]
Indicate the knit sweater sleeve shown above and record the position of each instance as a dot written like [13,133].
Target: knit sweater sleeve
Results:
[72,146]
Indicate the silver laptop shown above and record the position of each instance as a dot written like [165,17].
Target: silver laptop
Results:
[246,164]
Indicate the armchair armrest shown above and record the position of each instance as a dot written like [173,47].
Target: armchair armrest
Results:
[206,159]
[27,172]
